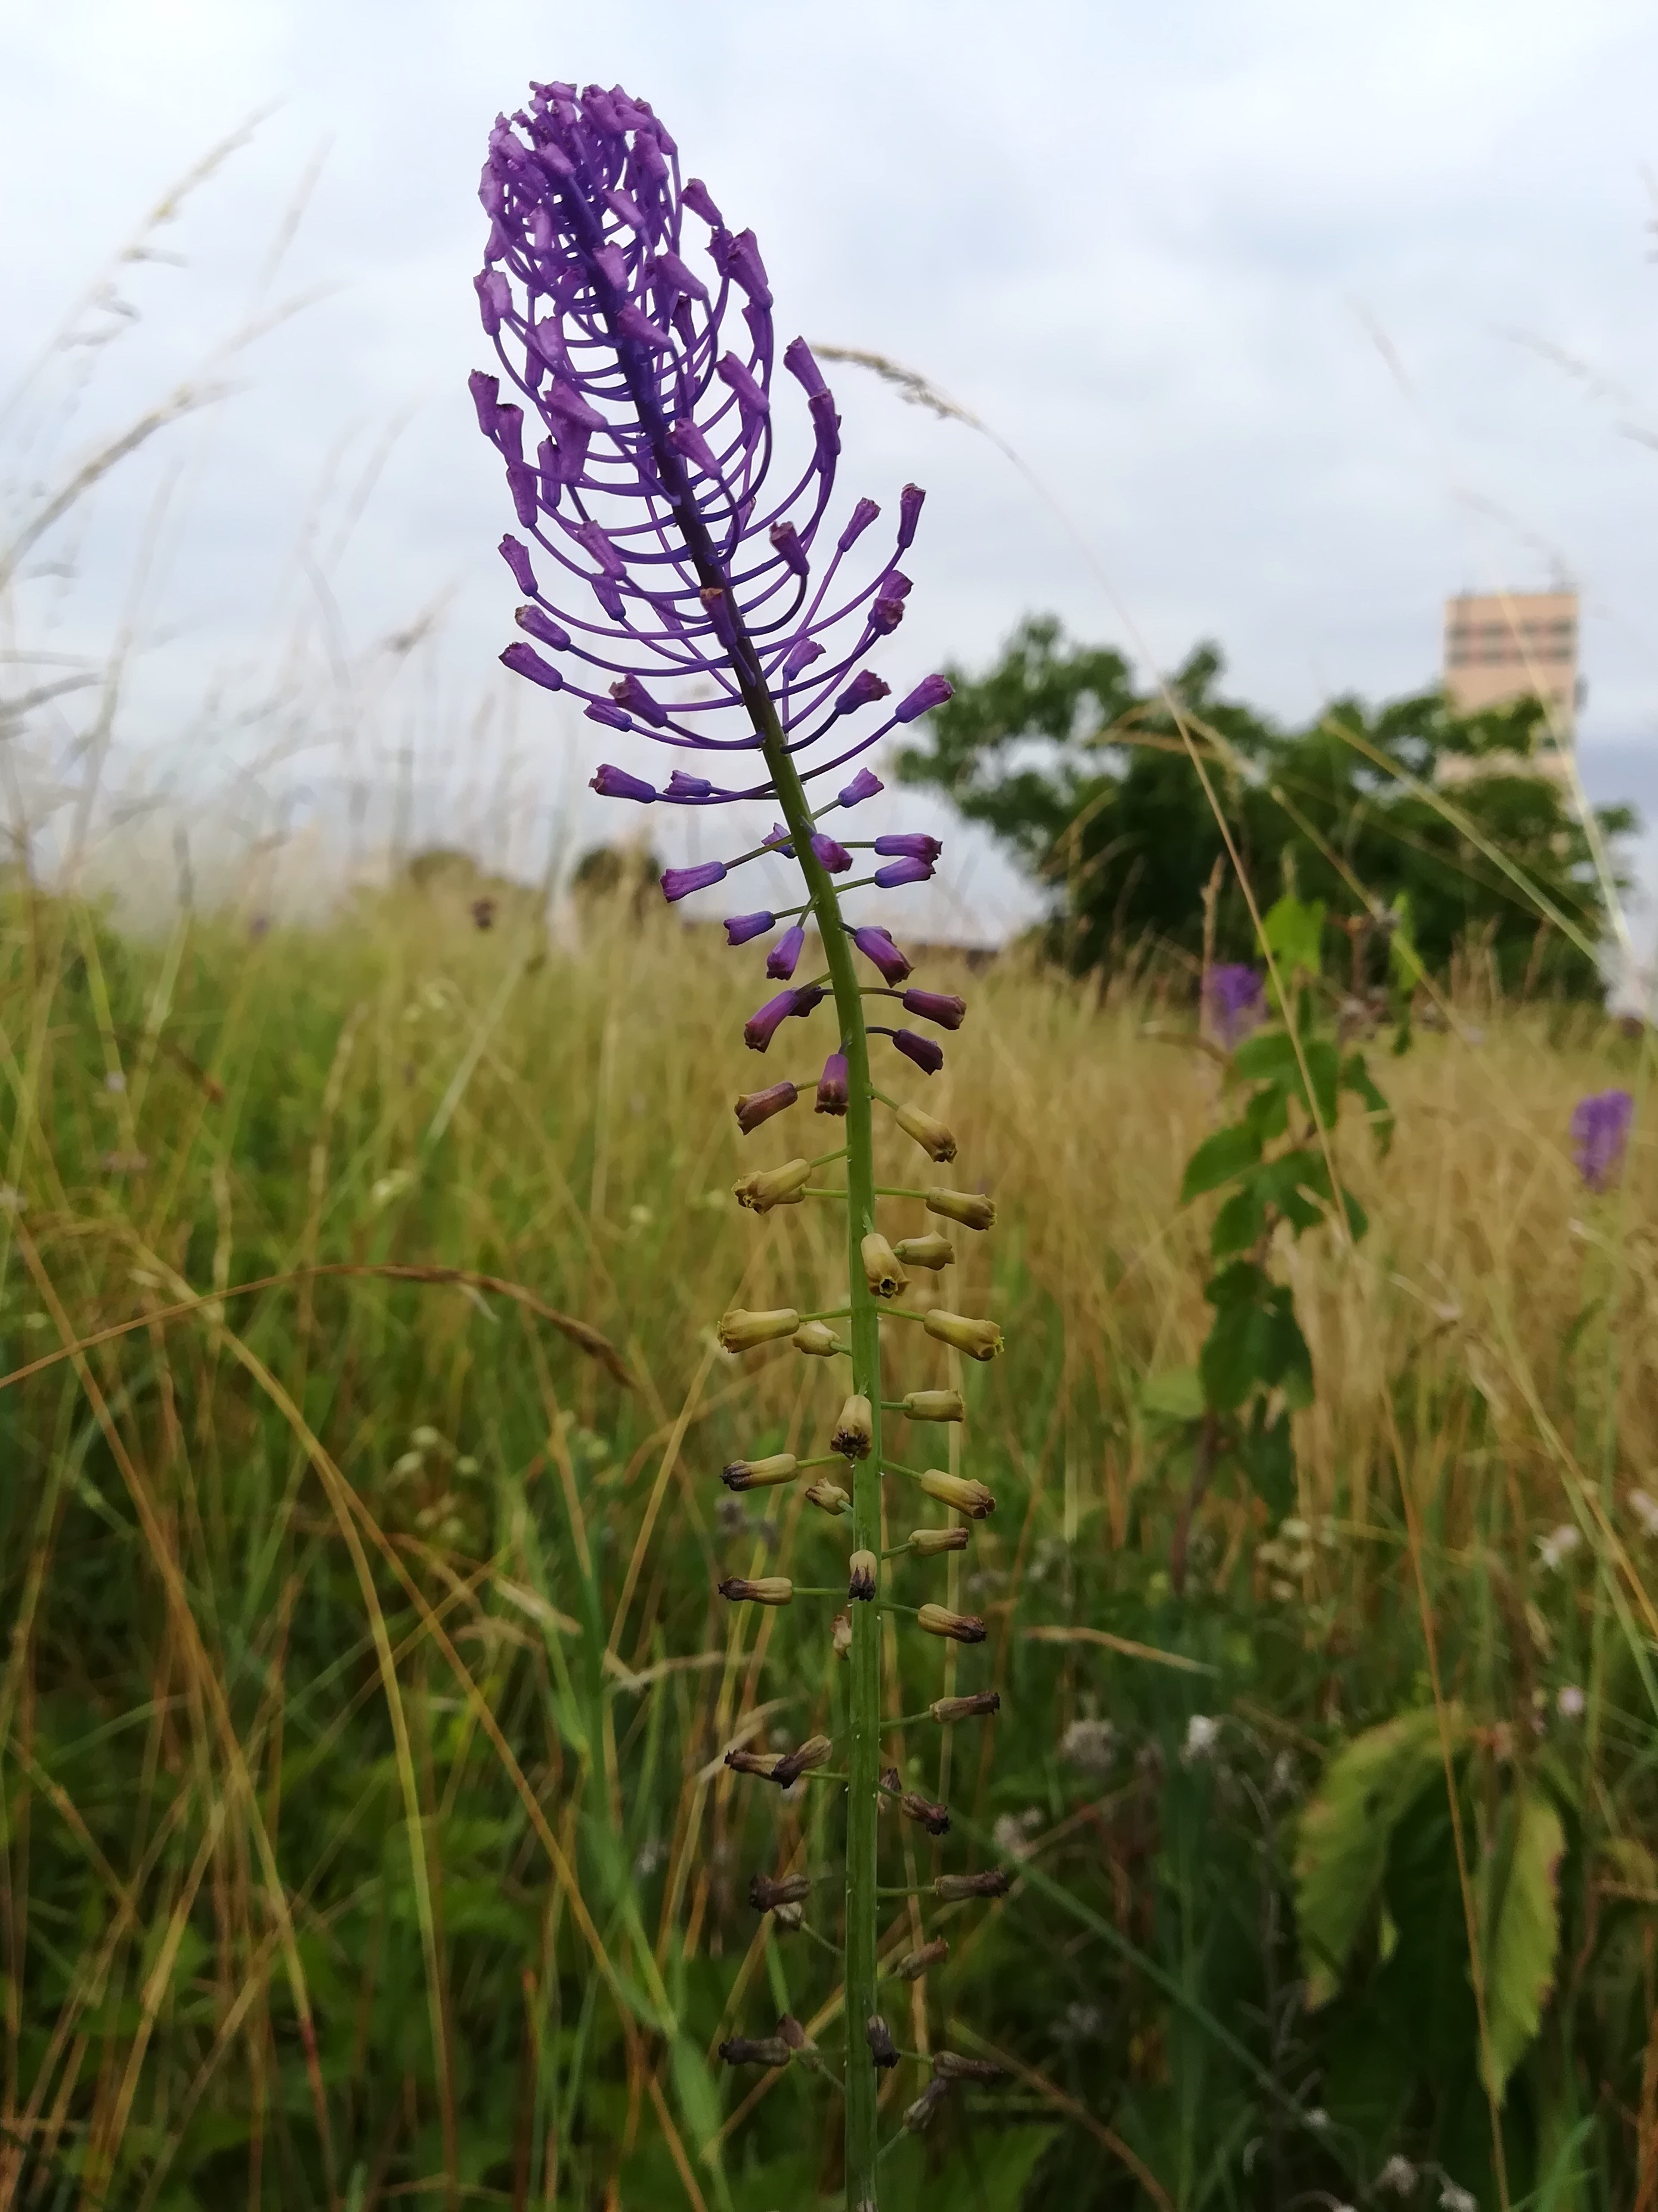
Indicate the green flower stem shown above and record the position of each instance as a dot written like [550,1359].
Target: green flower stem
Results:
[817,1191]
[865,1699]
[823,1159]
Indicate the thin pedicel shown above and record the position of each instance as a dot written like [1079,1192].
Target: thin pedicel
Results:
[684,599]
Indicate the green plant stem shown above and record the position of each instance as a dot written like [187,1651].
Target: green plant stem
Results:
[863,1762]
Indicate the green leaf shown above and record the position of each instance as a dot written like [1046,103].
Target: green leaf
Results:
[1293,930]
[1218,1158]
[1267,1456]
[1176,1395]
[1341,1844]
[1524,1937]
[1240,1221]
[1357,1078]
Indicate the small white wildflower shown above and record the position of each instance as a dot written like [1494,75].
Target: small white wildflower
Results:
[640,1216]
[1091,1745]
[1645,1508]
[1453,2199]
[1294,1531]
[1398,2176]
[1571,1703]
[410,1463]
[1557,1546]
[11,1201]
[115,1080]
[1013,1833]
[1202,1736]
[424,1438]
[466,1464]
[1318,2119]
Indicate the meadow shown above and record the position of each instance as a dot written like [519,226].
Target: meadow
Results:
[364,1693]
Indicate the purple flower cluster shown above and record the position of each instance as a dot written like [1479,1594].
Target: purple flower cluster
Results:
[680,595]
[1600,1135]
[1235,1001]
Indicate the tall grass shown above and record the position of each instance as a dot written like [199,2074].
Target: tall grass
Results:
[364,1690]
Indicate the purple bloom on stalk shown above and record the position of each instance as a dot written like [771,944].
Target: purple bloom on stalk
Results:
[910,845]
[835,856]
[1235,1001]
[740,927]
[783,957]
[1600,1135]
[897,873]
[864,785]
[877,946]
[943,1007]
[616,783]
[832,1086]
[760,1105]
[680,882]
[762,1025]
[927,1056]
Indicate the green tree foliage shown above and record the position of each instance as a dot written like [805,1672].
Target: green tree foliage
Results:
[1092,783]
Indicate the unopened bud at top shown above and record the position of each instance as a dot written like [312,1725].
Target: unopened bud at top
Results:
[928,1543]
[862,1568]
[961,1495]
[770,1590]
[933,1406]
[854,1432]
[740,1331]
[933,1251]
[959,1627]
[970,1207]
[757,1106]
[979,1339]
[881,1269]
[817,1338]
[966,1709]
[935,1140]
[760,1473]
[770,1186]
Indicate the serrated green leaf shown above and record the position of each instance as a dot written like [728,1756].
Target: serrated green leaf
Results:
[1218,1158]
[1524,1937]
[1341,1844]
[1294,930]
[1238,1223]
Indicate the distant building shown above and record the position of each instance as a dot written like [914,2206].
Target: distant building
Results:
[1504,645]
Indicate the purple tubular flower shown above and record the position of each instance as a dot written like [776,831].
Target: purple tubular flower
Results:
[616,783]
[684,786]
[835,856]
[1600,1135]
[543,627]
[910,513]
[897,873]
[740,927]
[931,691]
[865,689]
[760,1105]
[941,1006]
[785,956]
[927,1056]
[525,661]
[1235,1000]
[911,845]
[680,882]
[516,555]
[762,1025]
[832,1086]
[864,785]
[877,946]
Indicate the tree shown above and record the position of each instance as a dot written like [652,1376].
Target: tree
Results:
[1118,803]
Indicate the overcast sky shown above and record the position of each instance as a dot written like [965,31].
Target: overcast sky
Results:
[1306,313]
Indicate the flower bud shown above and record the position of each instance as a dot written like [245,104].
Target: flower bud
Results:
[854,1432]
[861,1571]
[970,1207]
[935,1818]
[939,1620]
[765,1893]
[980,1339]
[760,1474]
[770,1590]
[928,1543]
[740,927]
[758,1106]
[881,1269]
[935,1140]
[891,1781]
[740,1331]
[879,2037]
[933,1406]
[770,1186]
[966,1709]
[914,1964]
[680,882]
[877,946]
[927,1056]
[818,1337]
[753,1762]
[789,2028]
[785,956]
[959,1494]
[949,2066]
[917,2116]
[832,1093]
[840,1636]
[746,2051]
[763,1024]
[817,1751]
[955,1889]
[828,1496]
[945,1007]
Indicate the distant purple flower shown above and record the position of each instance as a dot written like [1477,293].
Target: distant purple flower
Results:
[680,882]
[785,956]
[877,946]
[762,1025]
[1235,1000]
[832,1086]
[1600,1135]
[740,927]
[943,1007]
